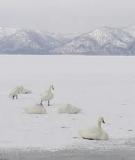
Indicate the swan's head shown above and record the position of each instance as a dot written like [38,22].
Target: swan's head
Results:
[52,86]
[101,119]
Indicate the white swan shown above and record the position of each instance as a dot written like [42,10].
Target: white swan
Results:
[47,95]
[95,133]
[68,108]
[18,90]
[36,109]
[22,90]
[13,94]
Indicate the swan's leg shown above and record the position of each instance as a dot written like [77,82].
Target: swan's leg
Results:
[13,97]
[16,96]
[41,102]
[48,103]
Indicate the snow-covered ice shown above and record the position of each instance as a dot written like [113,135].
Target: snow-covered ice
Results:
[99,86]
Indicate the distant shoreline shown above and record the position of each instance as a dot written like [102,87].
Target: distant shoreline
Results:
[111,55]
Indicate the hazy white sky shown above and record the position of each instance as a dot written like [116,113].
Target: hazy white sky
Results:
[66,16]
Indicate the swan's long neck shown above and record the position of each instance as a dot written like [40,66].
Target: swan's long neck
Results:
[99,124]
[50,90]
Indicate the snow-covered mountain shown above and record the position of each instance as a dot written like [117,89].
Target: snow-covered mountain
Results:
[4,31]
[102,41]
[130,30]
[26,41]
[63,38]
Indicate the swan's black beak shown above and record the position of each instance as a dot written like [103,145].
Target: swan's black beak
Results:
[52,87]
[103,121]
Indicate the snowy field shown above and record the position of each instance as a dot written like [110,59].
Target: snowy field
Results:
[100,86]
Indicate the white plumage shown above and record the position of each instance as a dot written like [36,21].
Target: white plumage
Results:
[68,108]
[14,94]
[94,133]
[22,90]
[36,109]
[18,90]
[47,95]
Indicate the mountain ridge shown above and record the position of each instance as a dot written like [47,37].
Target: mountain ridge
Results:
[101,41]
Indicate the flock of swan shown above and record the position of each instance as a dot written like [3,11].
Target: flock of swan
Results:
[93,133]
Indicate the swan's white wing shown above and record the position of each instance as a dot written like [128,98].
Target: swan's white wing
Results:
[90,133]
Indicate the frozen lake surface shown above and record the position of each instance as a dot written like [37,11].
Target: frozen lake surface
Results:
[68,155]
[99,86]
